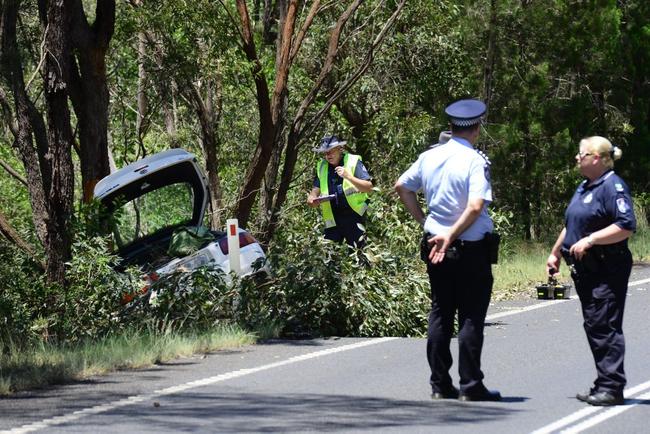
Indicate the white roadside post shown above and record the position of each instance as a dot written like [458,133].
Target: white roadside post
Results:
[233,244]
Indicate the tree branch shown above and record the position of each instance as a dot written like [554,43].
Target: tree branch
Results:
[13,172]
[350,81]
[10,234]
[297,43]
[332,51]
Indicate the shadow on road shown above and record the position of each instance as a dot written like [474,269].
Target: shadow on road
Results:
[299,412]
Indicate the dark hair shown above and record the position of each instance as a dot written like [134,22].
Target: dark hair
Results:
[460,129]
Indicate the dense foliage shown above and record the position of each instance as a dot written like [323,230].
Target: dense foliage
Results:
[182,74]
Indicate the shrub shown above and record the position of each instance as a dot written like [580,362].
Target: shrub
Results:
[323,288]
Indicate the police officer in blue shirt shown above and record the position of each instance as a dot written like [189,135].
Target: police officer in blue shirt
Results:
[454,178]
[598,222]
[340,188]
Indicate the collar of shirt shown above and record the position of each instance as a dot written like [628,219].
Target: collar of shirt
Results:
[586,186]
[461,141]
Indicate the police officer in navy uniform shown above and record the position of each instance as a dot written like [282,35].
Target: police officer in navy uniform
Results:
[454,178]
[343,175]
[598,222]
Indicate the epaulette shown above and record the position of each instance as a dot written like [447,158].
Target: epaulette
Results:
[485,157]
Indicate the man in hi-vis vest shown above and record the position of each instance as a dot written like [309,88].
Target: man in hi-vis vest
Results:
[341,188]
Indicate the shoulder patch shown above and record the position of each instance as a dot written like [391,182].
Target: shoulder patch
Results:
[622,205]
[619,186]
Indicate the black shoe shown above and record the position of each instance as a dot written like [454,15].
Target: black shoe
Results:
[605,399]
[483,395]
[584,396]
[450,393]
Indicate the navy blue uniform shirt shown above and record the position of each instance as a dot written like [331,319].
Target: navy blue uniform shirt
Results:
[594,207]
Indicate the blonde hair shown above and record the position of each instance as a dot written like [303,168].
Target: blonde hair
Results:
[602,147]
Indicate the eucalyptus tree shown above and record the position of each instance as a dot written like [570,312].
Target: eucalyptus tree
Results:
[287,120]
[182,51]
[397,109]
[45,150]
[71,70]
[203,48]
[552,77]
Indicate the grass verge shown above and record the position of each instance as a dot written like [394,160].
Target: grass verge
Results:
[24,369]
[523,266]
[520,269]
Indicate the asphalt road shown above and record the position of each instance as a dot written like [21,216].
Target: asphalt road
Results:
[535,353]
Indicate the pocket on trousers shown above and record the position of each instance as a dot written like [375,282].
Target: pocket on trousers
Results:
[425,249]
[492,241]
[602,291]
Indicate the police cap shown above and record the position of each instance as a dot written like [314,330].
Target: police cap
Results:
[329,142]
[465,112]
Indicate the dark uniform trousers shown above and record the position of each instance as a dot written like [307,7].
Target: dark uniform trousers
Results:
[348,229]
[602,296]
[462,285]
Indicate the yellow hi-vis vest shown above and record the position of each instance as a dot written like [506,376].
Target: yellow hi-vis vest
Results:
[355,199]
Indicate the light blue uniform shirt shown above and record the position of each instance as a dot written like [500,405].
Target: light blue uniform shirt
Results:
[450,175]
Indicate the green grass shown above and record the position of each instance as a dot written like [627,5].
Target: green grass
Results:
[522,266]
[640,244]
[520,269]
[23,369]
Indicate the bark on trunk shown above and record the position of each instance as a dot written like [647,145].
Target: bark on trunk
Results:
[89,89]
[60,194]
[265,141]
[208,110]
[30,126]
[141,126]
[488,72]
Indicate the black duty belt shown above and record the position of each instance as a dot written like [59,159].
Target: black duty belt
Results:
[490,243]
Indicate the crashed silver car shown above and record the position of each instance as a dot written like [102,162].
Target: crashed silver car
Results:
[155,209]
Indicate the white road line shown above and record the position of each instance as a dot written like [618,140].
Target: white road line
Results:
[523,309]
[46,423]
[638,282]
[611,412]
[580,414]
[546,304]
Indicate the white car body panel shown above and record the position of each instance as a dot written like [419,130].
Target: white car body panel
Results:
[127,179]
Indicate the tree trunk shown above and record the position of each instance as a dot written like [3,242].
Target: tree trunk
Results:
[268,18]
[358,119]
[89,90]
[265,140]
[290,159]
[57,77]
[208,110]
[141,126]
[29,124]
[267,193]
[488,72]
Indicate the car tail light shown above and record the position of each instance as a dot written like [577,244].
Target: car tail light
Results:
[244,239]
[128,297]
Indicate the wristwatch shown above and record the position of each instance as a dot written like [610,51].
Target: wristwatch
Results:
[590,240]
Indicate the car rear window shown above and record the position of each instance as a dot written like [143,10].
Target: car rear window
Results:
[164,207]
